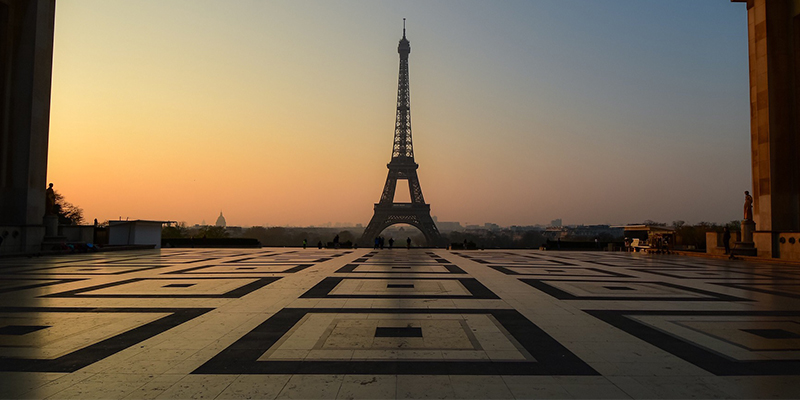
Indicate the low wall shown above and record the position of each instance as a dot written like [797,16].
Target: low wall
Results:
[217,242]
[715,245]
[781,245]
[77,233]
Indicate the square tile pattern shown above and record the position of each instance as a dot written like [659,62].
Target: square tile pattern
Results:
[397,341]
[283,322]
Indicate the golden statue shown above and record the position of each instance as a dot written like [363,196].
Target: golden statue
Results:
[748,206]
[50,201]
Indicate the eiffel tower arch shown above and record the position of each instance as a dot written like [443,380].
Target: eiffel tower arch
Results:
[402,167]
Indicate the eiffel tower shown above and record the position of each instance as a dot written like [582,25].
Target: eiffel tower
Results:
[402,167]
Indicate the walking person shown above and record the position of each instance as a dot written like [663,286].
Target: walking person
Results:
[391,243]
[408,243]
[336,242]
[726,239]
[305,243]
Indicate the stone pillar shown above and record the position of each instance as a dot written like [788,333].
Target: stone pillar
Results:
[26,58]
[774,58]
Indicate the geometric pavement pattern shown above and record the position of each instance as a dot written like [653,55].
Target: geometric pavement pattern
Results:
[294,323]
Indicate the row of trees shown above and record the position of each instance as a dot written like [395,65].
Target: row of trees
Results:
[504,238]
[182,231]
[695,235]
[686,235]
[280,236]
[275,236]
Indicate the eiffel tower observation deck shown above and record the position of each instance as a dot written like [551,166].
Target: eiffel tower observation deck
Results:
[403,167]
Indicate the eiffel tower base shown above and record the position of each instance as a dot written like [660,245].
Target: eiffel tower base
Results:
[416,216]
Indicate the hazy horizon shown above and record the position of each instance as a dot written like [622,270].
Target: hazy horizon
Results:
[282,112]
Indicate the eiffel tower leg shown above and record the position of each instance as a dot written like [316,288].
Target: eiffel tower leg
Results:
[428,228]
[372,231]
[389,187]
[414,188]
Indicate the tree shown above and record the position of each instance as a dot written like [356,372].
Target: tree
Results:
[174,232]
[346,236]
[650,222]
[68,213]
[213,232]
[734,226]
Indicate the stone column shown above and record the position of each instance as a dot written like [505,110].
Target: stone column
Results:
[774,40]
[26,59]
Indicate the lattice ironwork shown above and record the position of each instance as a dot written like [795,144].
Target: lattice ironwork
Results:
[402,167]
[403,147]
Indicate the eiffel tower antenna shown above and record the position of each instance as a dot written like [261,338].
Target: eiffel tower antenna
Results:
[402,167]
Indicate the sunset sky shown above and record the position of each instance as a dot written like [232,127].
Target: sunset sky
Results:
[282,112]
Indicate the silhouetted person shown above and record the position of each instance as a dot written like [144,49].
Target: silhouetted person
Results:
[377,242]
[465,244]
[408,243]
[381,241]
[748,206]
[726,239]
[336,242]
[305,243]
[50,201]
[391,243]
[319,244]
[95,222]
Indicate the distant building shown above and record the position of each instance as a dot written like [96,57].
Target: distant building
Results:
[519,228]
[490,226]
[449,226]
[555,233]
[592,231]
[220,220]
[556,222]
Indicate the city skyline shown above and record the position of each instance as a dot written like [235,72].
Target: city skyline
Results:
[281,113]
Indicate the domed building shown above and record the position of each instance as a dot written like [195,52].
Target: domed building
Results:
[221,220]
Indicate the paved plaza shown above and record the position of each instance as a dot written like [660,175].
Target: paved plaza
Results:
[295,323]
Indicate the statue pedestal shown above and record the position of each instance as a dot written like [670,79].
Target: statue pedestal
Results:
[748,227]
[50,225]
[746,247]
[51,239]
